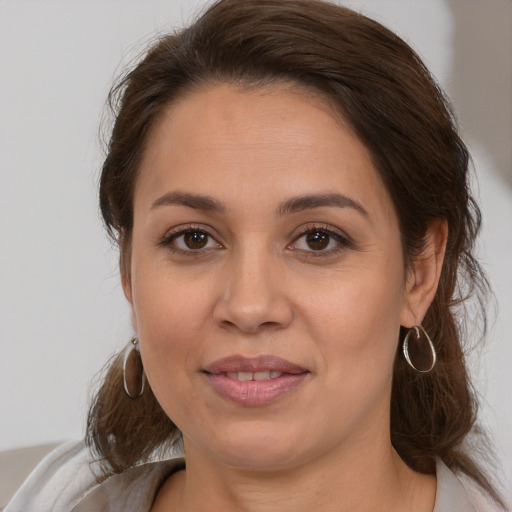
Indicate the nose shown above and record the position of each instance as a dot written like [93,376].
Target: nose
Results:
[253,295]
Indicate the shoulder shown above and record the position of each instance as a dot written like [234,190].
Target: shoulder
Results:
[66,481]
[458,492]
[59,480]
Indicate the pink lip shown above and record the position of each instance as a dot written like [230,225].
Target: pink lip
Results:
[253,364]
[254,392]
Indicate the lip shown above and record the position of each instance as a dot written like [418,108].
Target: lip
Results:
[253,364]
[254,392]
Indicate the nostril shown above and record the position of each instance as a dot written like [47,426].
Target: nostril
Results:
[270,324]
[248,326]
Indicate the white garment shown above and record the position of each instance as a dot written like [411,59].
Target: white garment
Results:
[65,481]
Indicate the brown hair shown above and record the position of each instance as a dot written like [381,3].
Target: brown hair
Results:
[383,90]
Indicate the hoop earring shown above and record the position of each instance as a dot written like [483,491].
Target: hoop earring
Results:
[413,349]
[133,371]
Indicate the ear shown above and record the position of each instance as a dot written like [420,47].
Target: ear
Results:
[423,276]
[126,282]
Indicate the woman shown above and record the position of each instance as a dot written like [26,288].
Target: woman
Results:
[290,198]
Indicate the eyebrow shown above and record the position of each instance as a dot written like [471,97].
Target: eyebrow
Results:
[300,203]
[293,205]
[195,201]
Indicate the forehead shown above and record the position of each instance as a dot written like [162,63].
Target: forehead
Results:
[238,142]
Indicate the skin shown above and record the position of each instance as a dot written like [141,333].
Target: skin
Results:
[260,287]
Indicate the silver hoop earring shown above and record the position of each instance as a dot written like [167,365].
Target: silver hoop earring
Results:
[414,350]
[133,371]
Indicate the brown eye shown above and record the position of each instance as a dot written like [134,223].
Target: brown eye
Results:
[320,241]
[195,239]
[190,241]
[317,240]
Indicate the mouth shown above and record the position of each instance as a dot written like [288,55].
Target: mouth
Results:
[254,381]
[247,376]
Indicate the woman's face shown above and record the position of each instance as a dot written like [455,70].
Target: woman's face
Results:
[266,279]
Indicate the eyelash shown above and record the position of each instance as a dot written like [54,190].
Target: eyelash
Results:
[178,232]
[342,241]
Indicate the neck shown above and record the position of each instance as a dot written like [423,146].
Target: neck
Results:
[374,479]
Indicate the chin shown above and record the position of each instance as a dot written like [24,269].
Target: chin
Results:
[260,449]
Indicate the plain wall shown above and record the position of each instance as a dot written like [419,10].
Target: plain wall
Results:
[62,313]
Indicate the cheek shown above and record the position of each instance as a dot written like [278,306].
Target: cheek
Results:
[167,301]
[169,331]
[357,323]
[356,335]
[171,317]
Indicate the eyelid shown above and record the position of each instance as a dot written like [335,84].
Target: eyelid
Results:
[182,229]
[344,241]
[320,226]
